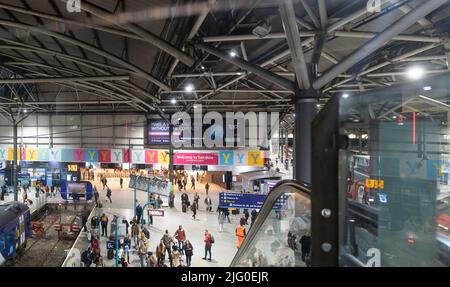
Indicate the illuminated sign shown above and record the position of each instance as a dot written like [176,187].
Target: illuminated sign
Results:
[72,167]
[375,183]
[155,212]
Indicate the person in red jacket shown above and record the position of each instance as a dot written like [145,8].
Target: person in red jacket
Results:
[208,244]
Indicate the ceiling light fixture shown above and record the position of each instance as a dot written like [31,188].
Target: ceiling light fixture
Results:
[345,95]
[415,72]
[233,53]
[173,101]
[427,88]
[189,88]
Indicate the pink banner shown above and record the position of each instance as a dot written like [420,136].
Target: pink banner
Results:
[196,158]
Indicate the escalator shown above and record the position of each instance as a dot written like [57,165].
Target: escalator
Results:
[283,224]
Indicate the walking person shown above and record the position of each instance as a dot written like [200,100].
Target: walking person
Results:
[196,199]
[143,252]
[104,222]
[96,196]
[171,199]
[176,257]
[4,189]
[192,182]
[161,252]
[184,184]
[305,241]
[208,240]
[240,233]
[108,194]
[221,218]
[207,188]
[254,214]
[84,219]
[127,247]
[139,212]
[135,232]
[247,215]
[194,209]
[121,182]
[208,203]
[52,191]
[188,251]
[227,214]
[180,235]
[168,240]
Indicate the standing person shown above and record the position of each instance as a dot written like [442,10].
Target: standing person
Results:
[127,247]
[95,245]
[208,239]
[135,233]
[194,209]
[86,257]
[198,176]
[104,222]
[161,252]
[180,184]
[52,191]
[171,199]
[167,239]
[254,214]
[84,219]
[121,182]
[196,198]
[188,251]
[227,214]
[152,261]
[176,257]
[143,252]
[138,213]
[240,234]
[4,189]
[207,188]
[184,184]
[208,203]
[192,182]
[305,241]
[108,194]
[180,235]
[247,215]
[221,218]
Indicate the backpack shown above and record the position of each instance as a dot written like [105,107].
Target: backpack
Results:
[212,239]
[85,257]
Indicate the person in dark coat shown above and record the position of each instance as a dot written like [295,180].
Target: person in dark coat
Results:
[139,213]
[305,241]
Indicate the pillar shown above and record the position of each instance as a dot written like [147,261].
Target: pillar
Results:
[305,111]
[14,166]
[170,154]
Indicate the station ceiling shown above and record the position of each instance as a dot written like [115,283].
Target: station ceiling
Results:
[120,56]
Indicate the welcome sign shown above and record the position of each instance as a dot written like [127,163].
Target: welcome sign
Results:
[137,156]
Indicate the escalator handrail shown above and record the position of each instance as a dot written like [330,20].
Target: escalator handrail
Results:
[279,189]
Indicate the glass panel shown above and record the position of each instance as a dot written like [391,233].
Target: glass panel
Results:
[394,176]
[284,238]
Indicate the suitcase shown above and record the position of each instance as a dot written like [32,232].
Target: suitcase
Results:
[110,254]
[184,207]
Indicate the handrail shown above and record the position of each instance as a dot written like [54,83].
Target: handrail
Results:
[279,189]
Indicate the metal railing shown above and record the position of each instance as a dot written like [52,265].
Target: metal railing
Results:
[278,190]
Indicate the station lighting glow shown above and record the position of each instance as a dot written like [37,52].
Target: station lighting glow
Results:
[394,117]
[189,88]
[173,101]
[427,88]
[293,115]
[318,105]
[345,95]
[195,106]
[202,67]
[415,73]
[25,111]
[352,136]
[232,54]
[163,110]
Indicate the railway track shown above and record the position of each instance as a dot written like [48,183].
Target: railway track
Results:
[48,251]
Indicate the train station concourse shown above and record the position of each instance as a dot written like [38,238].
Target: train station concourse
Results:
[224,133]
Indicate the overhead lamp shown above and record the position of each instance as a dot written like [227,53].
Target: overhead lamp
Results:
[202,67]
[318,105]
[232,53]
[173,101]
[195,106]
[163,110]
[262,29]
[394,117]
[345,95]
[427,88]
[352,136]
[293,115]
[25,111]
[189,88]
[415,72]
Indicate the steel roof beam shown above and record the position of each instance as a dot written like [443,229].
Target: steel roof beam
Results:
[144,34]
[287,13]
[265,74]
[62,79]
[88,47]
[377,42]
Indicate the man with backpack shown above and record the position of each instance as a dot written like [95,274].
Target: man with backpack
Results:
[86,257]
[209,240]
[167,240]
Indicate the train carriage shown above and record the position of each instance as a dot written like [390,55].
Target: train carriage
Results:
[15,229]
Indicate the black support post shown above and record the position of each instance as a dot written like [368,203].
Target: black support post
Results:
[305,111]
[170,153]
[14,165]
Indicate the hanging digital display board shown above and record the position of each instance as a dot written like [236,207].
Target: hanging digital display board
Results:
[157,132]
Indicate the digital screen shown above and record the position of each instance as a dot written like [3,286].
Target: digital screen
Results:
[157,132]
